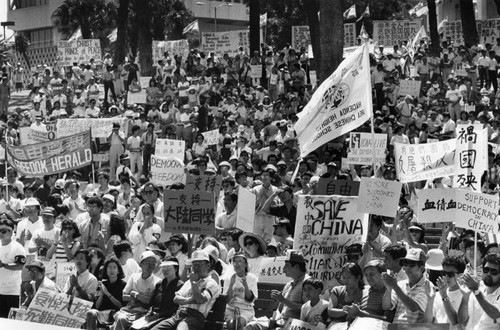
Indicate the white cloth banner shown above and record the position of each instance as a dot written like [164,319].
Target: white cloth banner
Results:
[342,103]
[100,127]
[167,170]
[225,42]
[416,162]
[211,137]
[364,146]
[170,148]
[390,33]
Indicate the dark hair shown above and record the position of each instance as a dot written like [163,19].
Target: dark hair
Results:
[98,272]
[493,258]
[229,180]
[76,230]
[421,239]
[314,282]
[62,209]
[117,226]
[396,251]
[376,220]
[302,266]
[489,246]
[95,201]
[7,222]
[121,273]
[480,245]
[457,262]
[355,271]
[170,258]
[86,253]
[105,175]
[121,247]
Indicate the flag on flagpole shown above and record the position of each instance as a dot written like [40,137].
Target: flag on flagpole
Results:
[113,35]
[342,103]
[419,36]
[263,20]
[192,27]
[363,35]
[419,9]
[442,24]
[365,14]
[76,35]
[350,13]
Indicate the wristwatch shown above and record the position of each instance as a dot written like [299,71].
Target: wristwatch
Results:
[446,299]
[477,292]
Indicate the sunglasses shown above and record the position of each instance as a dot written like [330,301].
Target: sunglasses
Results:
[491,271]
[413,231]
[5,231]
[449,274]
[406,263]
[249,243]
[67,228]
[149,192]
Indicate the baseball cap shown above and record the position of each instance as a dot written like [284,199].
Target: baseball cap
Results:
[49,211]
[169,263]
[35,263]
[200,255]
[32,202]
[241,128]
[148,254]
[109,197]
[415,255]
[295,256]
[224,163]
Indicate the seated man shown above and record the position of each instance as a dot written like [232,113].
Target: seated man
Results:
[195,298]
[82,285]
[36,271]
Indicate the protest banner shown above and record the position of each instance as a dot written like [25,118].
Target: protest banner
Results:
[296,324]
[256,71]
[330,186]
[472,156]
[350,37]
[189,211]
[378,196]
[167,170]
[367,149]
[245,212]
[271,271]
[211,137]
[79,51]
[31,136]
[301,36]
[51,157]
[63,272]
[390,33]
[144,81]
[170,148]
[49,307]
[325,226]
[173,47]
[470,210]
[101,128]
[342,103]
[139,97]
[424,161]
[409,87]
[210,183]
[227,42]
[487,31]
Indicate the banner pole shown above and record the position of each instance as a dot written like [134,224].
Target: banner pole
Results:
[6,166]
[92,152]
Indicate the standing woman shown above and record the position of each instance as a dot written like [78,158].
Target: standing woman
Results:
[241,293]
[68,242]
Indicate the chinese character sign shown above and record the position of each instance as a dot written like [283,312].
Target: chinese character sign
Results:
[325,226]
[487,31]
[424,161]
[350,38]
[471,156]
[170,148]
[173,47]
[468,209]
[377,196]
[409,87]
[301,36]
[329,186]
[189,211]
[390,33]
[271,271]
[49,307]
[211,183]
[211,137]
[366,148]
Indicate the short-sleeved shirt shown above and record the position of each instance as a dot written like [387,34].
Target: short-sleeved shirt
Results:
[143,286]
[11,279]
[419,293]
[283,212]
[293,292]
[340,293]
[208,288]
[86,281]
[314,314]
[371,301]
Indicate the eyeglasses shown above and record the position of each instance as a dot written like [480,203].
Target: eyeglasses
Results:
[67,228]
[449,274]
[149,192]
[5,230]
[249,243]
[491,271]
[413,231]
[406,263]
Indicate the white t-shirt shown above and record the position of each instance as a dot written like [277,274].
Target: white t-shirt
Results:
[29,227]
[130,267]
[11,279]
[312,314]
[439,311]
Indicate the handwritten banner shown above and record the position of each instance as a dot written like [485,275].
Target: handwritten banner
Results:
[211,137]
[100,127]
[228,42]
[167,170]
[301,36]
[31,136]
[377,196]
[328,186]
[49,307]
[210,183]
[363,147]
[487,31]
[390,33]
[325,226]
[173,47]
[467,209]
[189,211]
[425,161]
[79,51]
[472,156]
[139,97]
[51,157]
[63,271]
[409,87]
[170,148]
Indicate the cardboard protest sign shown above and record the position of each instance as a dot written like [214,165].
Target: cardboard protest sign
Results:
[337,187]
[100,127]
[301,36]
[173,47]
[245,215]
[271,271]
[211,137]
[51,157]
[409,87]
[189,211]
[389,33]
[63,272]
[424,161]
[49,307]
[472,156]
[227,42]
[366,148]
[377,196]
[350,37]
[139,97]
[144,81]
[256,71]
[167,170]
[170,148]
[210,183]
[79,51]
[296,324]
[325,226]
[31,136]
[467,209]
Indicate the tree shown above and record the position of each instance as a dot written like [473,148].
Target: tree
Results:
[254,6]
[433,27]
[469,28]
[22,44]
[95,18]
[143,17]
[121,48]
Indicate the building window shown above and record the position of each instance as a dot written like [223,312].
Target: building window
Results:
[40,37]
[19,4]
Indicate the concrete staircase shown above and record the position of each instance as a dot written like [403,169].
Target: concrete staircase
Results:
[433,233]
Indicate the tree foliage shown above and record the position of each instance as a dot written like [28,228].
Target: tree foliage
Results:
[22,45]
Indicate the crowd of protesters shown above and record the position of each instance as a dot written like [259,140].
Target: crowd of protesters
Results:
[111,224]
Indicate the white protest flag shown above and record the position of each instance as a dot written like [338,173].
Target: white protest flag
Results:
[421,34]
[113,35]
[350,13]
[365,14]
[363,34]
[76,35]
[263,20]
[342,103]
[192,27]
[441,25]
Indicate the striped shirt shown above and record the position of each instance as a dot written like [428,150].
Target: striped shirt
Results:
[371,301]
[208,288]
[419,293]
[293,292]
